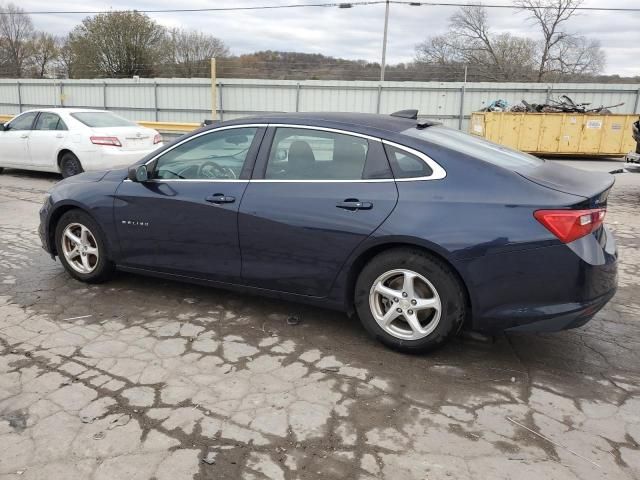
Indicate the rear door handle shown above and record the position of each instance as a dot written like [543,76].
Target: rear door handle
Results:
[24,135]
[354,204]
[220,198]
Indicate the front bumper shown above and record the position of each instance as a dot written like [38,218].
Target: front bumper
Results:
[43,227]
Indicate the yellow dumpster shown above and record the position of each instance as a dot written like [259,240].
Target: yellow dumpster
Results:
[557,133]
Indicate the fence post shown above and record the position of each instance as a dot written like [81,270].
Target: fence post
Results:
[548,94]
[155,100]
[637,104]
[104,95]
[19,96]
[61,94]
[221,105]
[461,114]
[379,98]
[214,94]
[298,97]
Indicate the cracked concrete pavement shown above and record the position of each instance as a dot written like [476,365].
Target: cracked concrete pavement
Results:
[142,378]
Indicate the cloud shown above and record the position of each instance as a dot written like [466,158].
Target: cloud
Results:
[354,33]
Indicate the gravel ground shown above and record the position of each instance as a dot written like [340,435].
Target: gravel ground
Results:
[143,378]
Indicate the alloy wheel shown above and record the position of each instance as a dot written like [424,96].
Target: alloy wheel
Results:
[405,304]
[80,248]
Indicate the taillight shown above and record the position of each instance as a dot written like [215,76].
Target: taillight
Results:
[570,225]
[157,139]
[111,141]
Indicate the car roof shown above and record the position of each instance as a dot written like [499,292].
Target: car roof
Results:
[65,110]
[357,122]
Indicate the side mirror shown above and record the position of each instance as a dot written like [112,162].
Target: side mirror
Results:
[4,127]
[138,173]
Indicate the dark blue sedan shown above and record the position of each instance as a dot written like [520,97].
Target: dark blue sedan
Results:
[419,229]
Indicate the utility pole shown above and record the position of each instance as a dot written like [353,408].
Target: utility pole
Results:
[214,93]
[384,42]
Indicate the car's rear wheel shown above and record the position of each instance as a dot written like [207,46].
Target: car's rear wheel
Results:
[409,300]
[1,169]
[70,165]
[81,247]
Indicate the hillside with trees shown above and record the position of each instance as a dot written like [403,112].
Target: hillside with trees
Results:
[129,43]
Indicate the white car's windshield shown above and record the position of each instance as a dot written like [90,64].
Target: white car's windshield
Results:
[102,119]
[476,147]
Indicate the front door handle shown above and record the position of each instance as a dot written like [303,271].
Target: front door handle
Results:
[354,204]
[24,135]
[219,198]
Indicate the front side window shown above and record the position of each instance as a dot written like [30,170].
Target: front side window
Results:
[102,120]
[219,155]
[23,122]
[305,154]
[49,121]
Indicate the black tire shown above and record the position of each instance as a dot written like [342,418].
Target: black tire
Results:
[453,302]
[70,165]
[1,169]
[103,268]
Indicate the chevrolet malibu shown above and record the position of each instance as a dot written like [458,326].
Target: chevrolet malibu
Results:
[72,140]
[419,229]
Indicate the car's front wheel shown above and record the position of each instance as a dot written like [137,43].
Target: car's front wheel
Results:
[70,165]
[409,300]
[81,247]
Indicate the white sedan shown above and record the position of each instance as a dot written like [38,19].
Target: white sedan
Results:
[71,140]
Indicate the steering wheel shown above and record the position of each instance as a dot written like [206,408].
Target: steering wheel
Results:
[211,169]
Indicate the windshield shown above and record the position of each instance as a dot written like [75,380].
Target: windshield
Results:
[476,147]
[102,119]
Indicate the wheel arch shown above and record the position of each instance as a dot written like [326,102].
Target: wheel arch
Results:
[367,254]
[55,217]
[61,153]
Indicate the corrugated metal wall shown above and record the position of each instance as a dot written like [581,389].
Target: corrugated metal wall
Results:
[189,100]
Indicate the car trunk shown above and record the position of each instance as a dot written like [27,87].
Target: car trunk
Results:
[594,187]
[131,138]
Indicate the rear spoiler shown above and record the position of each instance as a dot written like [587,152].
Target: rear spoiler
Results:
[413,115]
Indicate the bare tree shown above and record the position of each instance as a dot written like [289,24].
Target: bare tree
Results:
[504,56]
[495,57]
[575,56]
[45,52]
[189,52]
[550,15]
[16,32]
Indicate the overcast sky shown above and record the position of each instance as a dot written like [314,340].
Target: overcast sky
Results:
[354,33]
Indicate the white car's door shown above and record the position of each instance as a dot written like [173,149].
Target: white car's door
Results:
[48,135]
[14,146]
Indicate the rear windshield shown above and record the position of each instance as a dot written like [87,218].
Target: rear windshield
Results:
[476,147]
[101,119]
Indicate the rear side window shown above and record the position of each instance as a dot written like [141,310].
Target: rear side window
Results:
[305,154]
[476,147]
[23,122]
[50,121]
[406,165]
[102,120]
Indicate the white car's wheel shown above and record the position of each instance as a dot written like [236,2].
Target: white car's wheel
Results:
[70,165]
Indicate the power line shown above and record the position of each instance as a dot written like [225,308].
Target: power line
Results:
[211,9]
[341,5]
